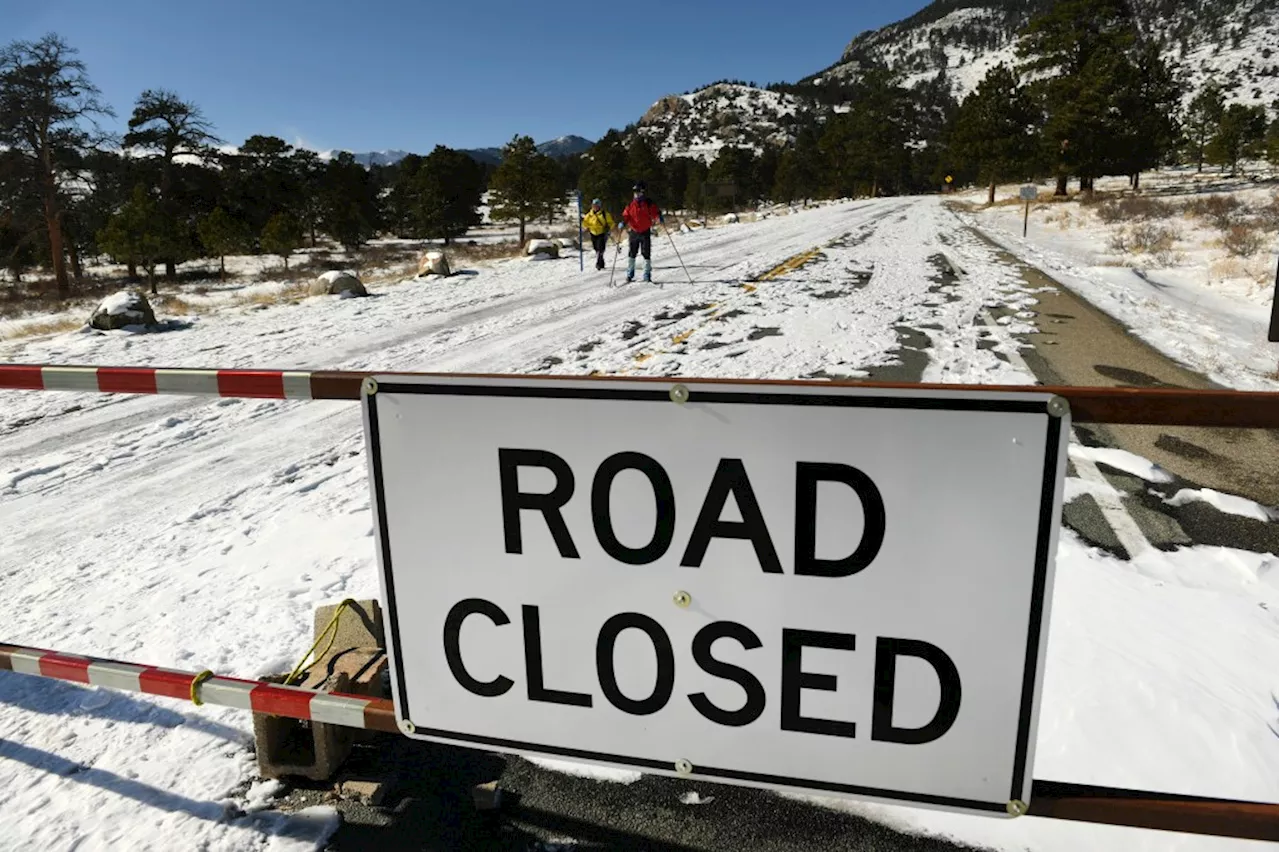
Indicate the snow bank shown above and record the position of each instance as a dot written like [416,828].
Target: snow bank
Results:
[587,770]
[1229,503]
[1123,460]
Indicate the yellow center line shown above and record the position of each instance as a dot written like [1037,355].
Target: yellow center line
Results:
[788,265]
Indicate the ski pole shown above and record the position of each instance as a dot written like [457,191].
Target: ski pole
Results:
[677,251]
[614,270]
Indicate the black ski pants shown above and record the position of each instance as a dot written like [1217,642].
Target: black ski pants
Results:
[599,242]
[639,243]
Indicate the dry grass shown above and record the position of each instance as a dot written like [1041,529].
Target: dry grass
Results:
[178,306]
[1222,211]
[1243,240]
[482,251]
[1267,217]
[294,291]
[1133,208]
[52,326]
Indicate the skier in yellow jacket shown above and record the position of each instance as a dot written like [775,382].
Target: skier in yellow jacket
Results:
[598,223]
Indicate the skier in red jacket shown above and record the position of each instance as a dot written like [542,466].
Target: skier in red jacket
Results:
[640,216]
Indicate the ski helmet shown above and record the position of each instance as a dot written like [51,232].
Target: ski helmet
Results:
[639,187]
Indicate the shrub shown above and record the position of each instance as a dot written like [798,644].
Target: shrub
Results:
[1242,240]
[1149,238]
[1109,213]
[1135,208]
[1221,210]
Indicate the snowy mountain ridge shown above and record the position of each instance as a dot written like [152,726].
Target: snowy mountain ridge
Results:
[1230,40]
[953,43]
[699,124]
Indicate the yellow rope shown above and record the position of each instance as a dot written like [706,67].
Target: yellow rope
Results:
[195,686]
[330,629]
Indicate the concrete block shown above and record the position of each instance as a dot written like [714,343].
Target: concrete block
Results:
[359,627]
[296,747]
[354,663]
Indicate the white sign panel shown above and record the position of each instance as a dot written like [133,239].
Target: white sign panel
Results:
[808,587]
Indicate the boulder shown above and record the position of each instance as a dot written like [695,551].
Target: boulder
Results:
[549,248]
[670,105]
[337,283]
[434,263]
[568,243]
[730,218]
[127,307]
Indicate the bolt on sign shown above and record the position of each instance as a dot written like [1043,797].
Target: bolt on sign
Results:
[806,587]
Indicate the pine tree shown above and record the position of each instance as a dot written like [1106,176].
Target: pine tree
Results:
[643,163]
[139,233]
[222,235]
[732,166]
[349,202]
[1273,143]
[307,180]
[675,179]
[799,168]
[865,149]
[1240,136]
[259,180]
[992,132]
[167,126]
[604,173]
[45,100]
[1147,102]
[696,179]
[281,235]
[524,185]
[764,172]
[1203,114]
[446,194]
[1074,51]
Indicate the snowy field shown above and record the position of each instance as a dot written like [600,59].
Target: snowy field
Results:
[1167,273]
[202,534]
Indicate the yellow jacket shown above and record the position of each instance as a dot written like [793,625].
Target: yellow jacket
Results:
[597,223]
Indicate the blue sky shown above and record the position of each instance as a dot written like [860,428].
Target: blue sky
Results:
[411,75]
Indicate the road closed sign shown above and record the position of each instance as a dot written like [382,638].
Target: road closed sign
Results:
[808,587]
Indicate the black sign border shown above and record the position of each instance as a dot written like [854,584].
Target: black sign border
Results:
[660,394]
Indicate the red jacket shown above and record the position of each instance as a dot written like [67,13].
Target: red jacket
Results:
[641,214]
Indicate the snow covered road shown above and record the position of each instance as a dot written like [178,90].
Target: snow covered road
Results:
[198,534]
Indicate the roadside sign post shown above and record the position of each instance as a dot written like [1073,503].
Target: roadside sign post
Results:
[1273,333]
[581,265]
[840,590]
[1028,195]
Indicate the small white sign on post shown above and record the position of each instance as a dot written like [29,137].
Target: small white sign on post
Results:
[1028,195]
[806,587]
